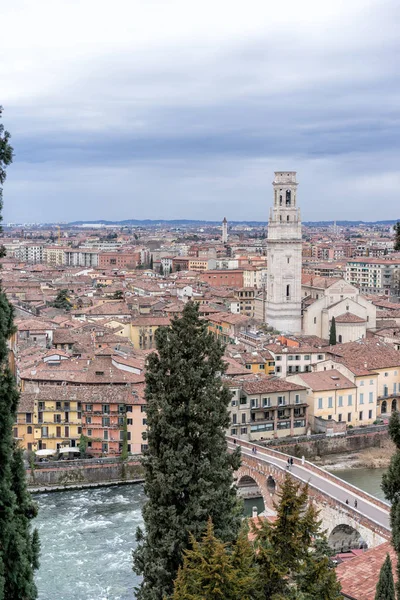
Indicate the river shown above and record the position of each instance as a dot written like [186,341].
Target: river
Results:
[87,537]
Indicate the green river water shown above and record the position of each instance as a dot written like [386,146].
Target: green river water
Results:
[87,537]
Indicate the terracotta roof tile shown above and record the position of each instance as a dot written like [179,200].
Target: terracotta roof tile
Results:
[359,576]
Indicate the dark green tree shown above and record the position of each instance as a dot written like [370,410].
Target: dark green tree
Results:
[188,470]
[19,546]
[151,262]
[397,236]
[391,488]
[161,269]
[385,587]
[332,332]
[83,444]
[118,295]
[292,553]
[62,300]
[124,453]
[216,571]
[178,267]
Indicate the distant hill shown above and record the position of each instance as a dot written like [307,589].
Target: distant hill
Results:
[199,223]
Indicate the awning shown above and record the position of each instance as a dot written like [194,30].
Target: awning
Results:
[45,452]
[68,449]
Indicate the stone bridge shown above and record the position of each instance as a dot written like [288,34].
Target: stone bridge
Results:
[364,524]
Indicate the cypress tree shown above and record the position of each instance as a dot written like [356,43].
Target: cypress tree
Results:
[391,488]
[397,236]
[385,587]
[332,332]
[19,547]
[188,470]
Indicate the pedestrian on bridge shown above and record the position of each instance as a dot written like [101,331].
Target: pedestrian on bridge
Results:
[355,503]
[291,461]
[288,464]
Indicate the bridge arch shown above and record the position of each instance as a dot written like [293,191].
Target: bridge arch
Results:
[264,483]
[344,537]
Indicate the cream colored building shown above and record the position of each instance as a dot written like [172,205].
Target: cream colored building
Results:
[332,396]
[267,408]
[369,360]
[325,298]
[54,255]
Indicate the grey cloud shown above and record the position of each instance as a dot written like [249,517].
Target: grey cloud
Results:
[185,132]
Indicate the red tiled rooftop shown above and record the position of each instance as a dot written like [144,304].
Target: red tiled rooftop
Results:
[359,576]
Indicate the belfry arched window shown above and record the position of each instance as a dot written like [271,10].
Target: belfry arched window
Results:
[288,197]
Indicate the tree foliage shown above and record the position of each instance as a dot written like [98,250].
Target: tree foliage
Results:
[216,571]
[19,546]
[289,559]
[397,236]
[391,488]
[188,470]
[62,300]
[332,332]
[291,553]
[125,453]
[385,587]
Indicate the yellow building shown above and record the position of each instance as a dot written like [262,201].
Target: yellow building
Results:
[255,361]
[142,331]
[54,255]
[332,396]
[49,419]
[226,326]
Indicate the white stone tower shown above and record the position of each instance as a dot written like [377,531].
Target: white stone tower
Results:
[284,251]
[224,231]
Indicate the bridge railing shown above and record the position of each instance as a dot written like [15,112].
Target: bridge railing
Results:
[313,468]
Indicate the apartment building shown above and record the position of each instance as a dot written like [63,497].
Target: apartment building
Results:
[54,255]
[30,253]
[332,396]
[289,360]
[375,275]
[118,260]
[223,278]
[201,264]
[267,408]
[80,257]
[245,297]
[48,419]
[370,362]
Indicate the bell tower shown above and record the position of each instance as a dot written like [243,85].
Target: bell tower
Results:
[284,251]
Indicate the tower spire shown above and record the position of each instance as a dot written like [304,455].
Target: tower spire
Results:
[224,231]
[284,251]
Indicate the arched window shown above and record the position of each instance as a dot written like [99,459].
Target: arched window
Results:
[29,429]
[288,197]
[280,199]
[340,339]
[384,407]
[288,291]
[288,218]
[394,405]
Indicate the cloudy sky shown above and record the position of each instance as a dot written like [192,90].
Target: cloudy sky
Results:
[184,108]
